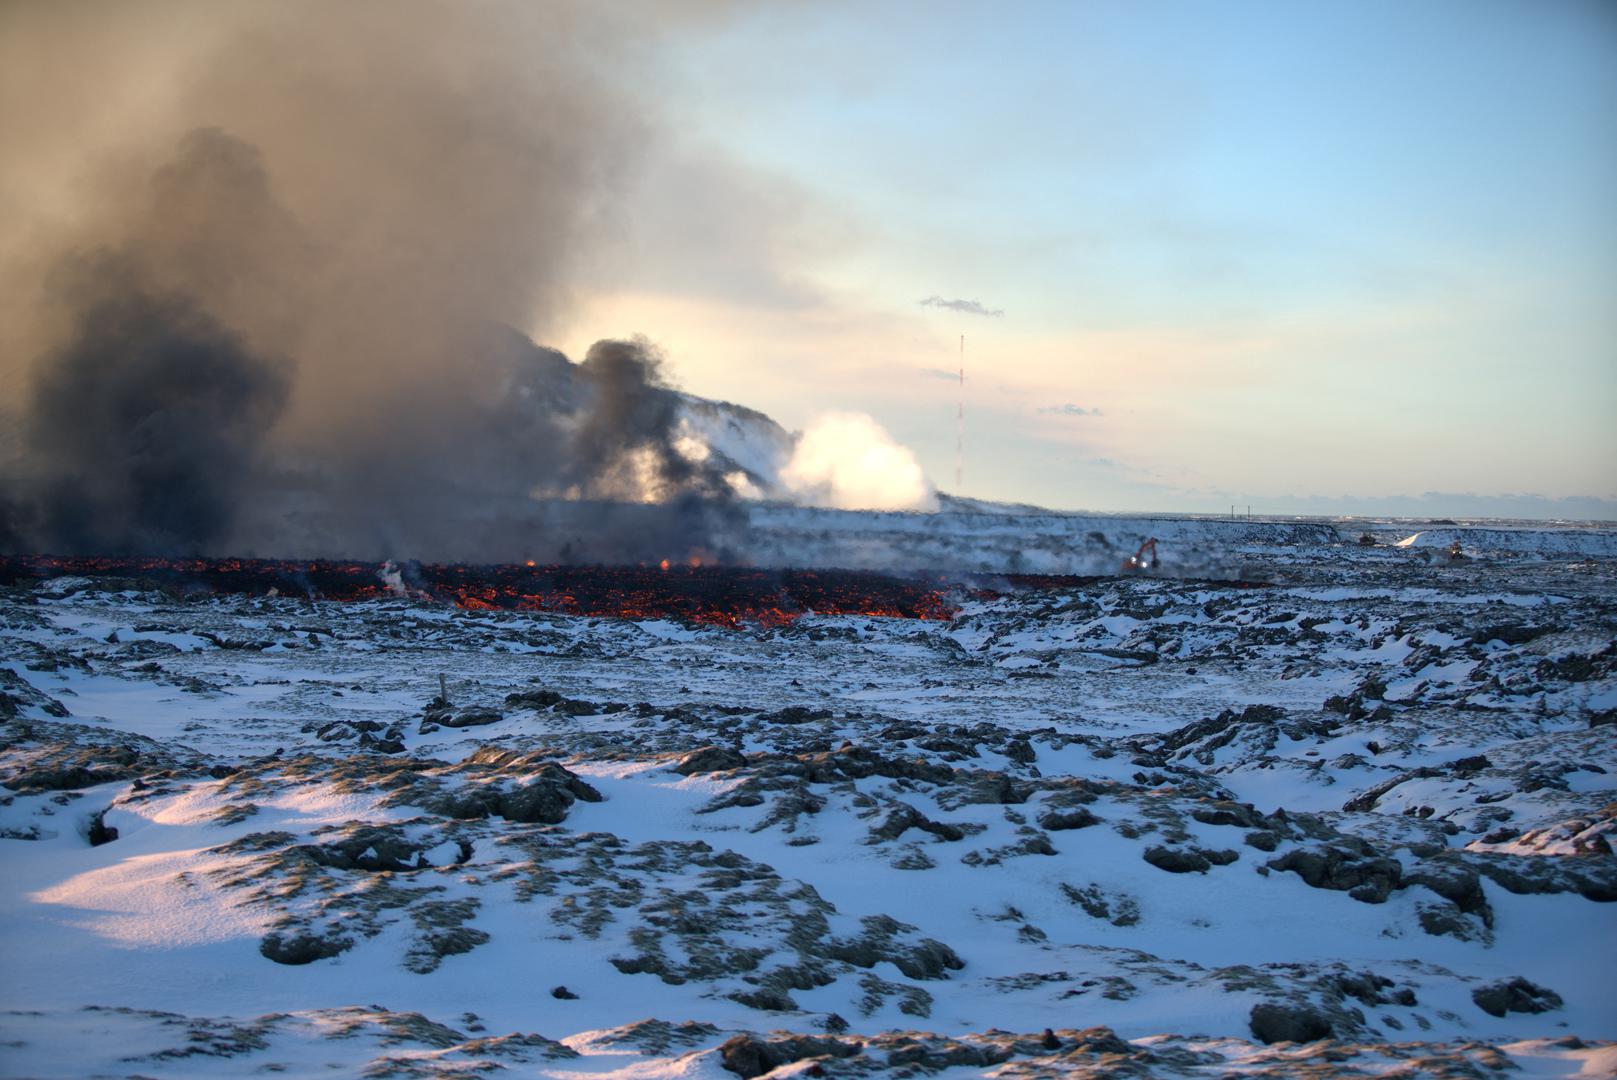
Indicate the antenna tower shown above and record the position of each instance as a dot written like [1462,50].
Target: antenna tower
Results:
[960,422]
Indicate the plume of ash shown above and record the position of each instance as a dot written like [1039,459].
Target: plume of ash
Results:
[965,307]
[259,268]
[148,419]
[847,461]
[634,424]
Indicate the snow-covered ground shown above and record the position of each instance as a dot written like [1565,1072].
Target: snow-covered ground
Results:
[1355,822]
[972,536]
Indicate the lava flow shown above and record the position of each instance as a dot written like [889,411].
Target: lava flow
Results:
[729,596]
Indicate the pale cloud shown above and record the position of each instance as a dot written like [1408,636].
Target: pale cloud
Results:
[964,307]
[1069,409]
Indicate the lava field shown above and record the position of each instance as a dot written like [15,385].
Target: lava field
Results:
[705,822]
[722,595]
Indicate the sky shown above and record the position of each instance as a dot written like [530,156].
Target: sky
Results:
[1310,258]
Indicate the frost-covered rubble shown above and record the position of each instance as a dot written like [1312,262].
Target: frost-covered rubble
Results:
[969,535]
[1356,822]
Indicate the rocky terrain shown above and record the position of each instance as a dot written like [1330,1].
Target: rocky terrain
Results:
[1351,815]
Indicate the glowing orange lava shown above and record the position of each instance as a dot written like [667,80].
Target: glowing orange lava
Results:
[722,595]
[728,596]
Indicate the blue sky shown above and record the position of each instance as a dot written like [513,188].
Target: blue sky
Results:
[1270,253]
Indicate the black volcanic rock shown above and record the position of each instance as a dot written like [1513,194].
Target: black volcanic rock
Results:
[748,1055]
[709,759]
[1273,1023]
[540,802]
[1176,860]
[302,948]
[1357,871]
[1060,820]
[461,718]
[1515,995]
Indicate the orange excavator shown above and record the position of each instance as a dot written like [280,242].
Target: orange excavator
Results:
[1140,561]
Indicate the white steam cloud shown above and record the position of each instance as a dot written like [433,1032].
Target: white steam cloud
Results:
[848,461]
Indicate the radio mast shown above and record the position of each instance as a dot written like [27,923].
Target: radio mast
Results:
[960,423]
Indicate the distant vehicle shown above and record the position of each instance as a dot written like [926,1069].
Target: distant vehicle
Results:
[1138,561]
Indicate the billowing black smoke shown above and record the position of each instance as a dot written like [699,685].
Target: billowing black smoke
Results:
[277,318]
[543,459]
[633,413]
[148,429]
[147,425]
[144,423]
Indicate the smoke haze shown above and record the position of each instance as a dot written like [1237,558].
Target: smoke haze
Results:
[261,264]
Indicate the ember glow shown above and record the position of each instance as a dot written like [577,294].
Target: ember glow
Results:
[713,595]
[728,596]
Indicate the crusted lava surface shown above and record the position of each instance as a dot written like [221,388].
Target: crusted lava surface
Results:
[726,595]
[1356,822]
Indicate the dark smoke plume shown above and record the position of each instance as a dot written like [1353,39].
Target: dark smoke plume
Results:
[259,268]
[631,413]
[148,423]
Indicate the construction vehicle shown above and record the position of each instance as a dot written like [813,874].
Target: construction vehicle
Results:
[1139,561]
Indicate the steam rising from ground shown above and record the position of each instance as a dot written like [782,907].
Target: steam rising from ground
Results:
[847,461]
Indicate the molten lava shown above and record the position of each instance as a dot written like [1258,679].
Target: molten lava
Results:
[699,593]
[720,595]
